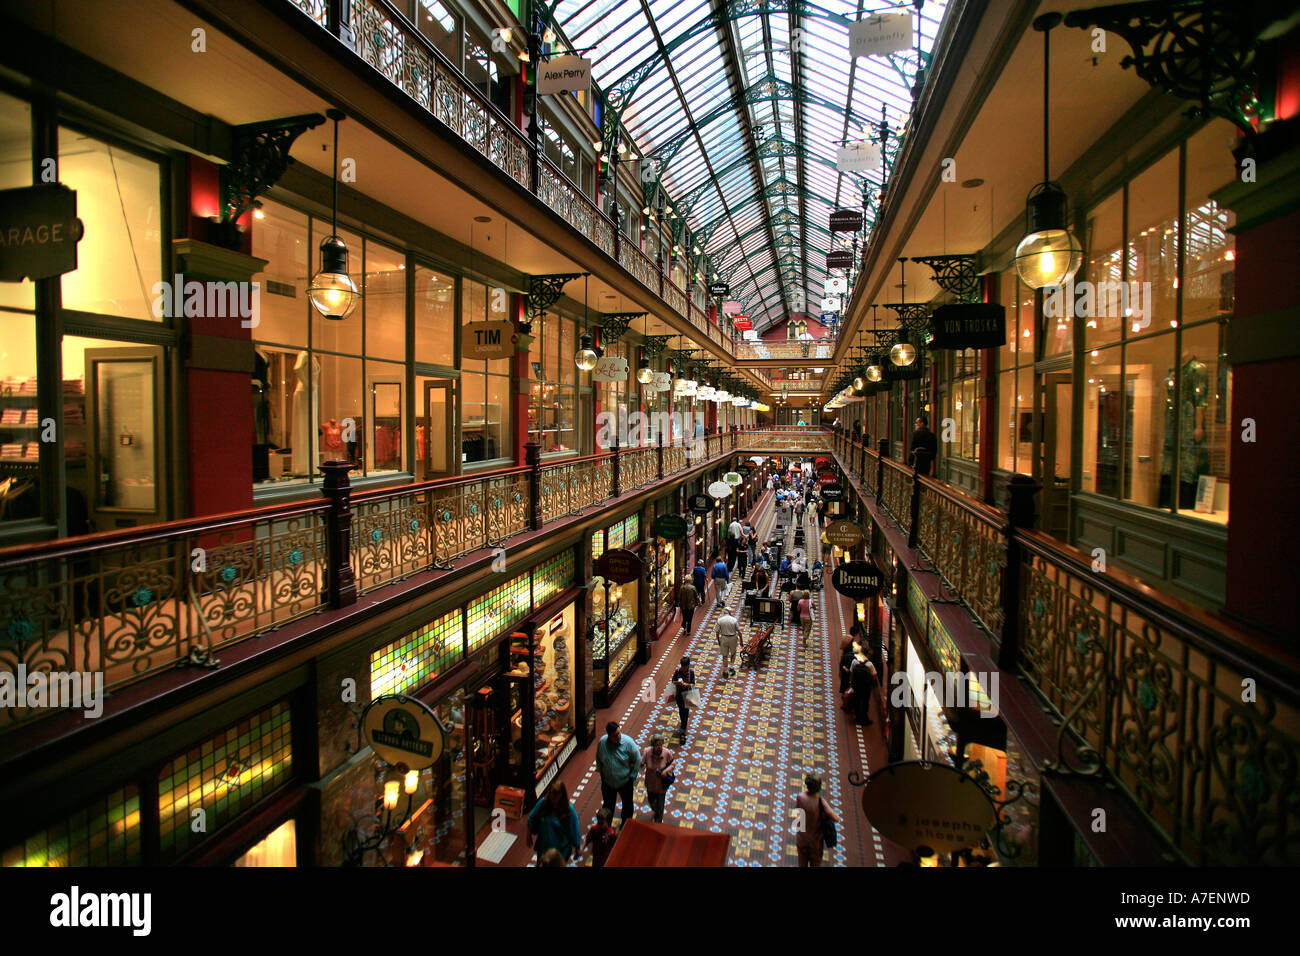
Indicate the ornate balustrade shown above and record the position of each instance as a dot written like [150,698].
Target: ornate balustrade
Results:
[568,487]
[795,351]
[639,467]
[1198,723]
[574,207]
[785,440]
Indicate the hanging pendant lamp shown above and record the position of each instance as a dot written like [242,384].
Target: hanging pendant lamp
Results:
[585,357]
[903,352]
[1049,254]
[332,292]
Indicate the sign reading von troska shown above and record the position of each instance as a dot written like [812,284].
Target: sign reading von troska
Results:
[619,565]
[859,580]
[402,730]
[488,340]
[39,232]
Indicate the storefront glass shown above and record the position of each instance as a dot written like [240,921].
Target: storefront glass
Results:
[485,385]
[553,402]
[277,848]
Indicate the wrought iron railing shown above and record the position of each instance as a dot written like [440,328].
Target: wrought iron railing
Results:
[793,351]
[574,207]
[1197,722]
[132,602]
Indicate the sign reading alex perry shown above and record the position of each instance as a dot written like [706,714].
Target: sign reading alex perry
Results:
[564,74]
[402,730]
[39,232]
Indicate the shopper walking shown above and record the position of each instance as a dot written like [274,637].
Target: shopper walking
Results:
[808,841]
[699,577]
[617,759]
[601,837]
[683,684]
[806,620]
[721,580]
[688,599]
[656,759]
[553,823]
[728,631]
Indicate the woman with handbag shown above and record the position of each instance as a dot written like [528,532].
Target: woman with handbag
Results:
[656,759]
[818,823]
[687,695]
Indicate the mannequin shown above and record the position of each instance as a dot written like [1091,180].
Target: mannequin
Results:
[1190,407]
[307,369]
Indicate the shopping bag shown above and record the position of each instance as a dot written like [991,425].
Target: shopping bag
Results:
[692,698]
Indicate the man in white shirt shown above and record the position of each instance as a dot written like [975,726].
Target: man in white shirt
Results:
[728,641]
[735,529]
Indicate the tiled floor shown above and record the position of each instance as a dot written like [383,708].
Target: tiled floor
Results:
[752,740]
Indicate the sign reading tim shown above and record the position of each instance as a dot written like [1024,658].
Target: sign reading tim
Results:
[39,232]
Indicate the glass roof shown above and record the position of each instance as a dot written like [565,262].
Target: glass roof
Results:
[741,107]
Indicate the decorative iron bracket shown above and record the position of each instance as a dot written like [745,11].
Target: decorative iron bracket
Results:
[654,344]
[955,275]
[544,291]
[259,156]
[1199,50]
[614,324]
[912,316]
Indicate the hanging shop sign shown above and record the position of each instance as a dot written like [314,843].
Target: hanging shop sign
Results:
[846,220]
[839,259]
[828,479]
[488,340]
[857,157]
[719,290]
[832,492]
[564,74]
[720,490]
[663,382]
[976,325]
[915,803]
[700,504]
[745,469]
[731,307]
[402,730]
[905,373]
[843,534]
[859,580]
[881,35]
[743,322]
[758,459]
[39,232]
[671,527]
[836,285]
[733,478]
[619,566]
[821,462]
[610,369]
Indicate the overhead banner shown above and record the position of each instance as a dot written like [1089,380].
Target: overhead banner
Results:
[881,35]
[564,74]
[39,232]
[846,220]
[857,157]
[609,369]
[979,325]
[839,259]
[488,340]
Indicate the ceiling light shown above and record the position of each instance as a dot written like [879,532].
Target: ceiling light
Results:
[548,35]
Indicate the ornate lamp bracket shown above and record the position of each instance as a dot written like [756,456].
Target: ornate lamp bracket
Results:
[1199,50]
[259,156]
[955,275]
[912,316]
[654,344]
[614,324]
[544,291]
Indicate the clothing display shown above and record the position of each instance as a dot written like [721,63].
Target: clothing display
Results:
[1190,407]
[305,402]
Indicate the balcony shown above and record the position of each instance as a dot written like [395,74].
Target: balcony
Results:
[385,40]
[1141,692]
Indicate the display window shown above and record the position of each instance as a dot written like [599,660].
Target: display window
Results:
[277,848]
[549,659]
[435,317]
[20,426]
[553,393]
[485,385]
[613,626]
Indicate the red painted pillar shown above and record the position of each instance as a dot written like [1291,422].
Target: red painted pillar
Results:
[988,403]
[520,374]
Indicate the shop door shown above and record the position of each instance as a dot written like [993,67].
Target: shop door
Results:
[1058,392]
[439,429]
[124,479]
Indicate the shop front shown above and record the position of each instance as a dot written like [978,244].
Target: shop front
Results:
[613,625]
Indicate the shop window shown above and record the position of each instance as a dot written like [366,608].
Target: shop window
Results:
[1102,422]
[384,288]
[1105,269]
[342,418]
[103,833]
[1201,404]
[414,660]
[277,848]
[485,385]
[1152,248]
[553,399]
[119,201]
[486,74]
[435,318]
[15,171]
[223,776]
[282,238]
[20,426]
[1150,412]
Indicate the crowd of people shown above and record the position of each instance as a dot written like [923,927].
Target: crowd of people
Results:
[553,825]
